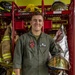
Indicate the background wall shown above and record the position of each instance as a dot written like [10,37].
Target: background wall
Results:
[36,2]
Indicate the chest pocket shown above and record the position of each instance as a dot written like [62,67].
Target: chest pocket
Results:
[44,45]
[44,48]
[30,48]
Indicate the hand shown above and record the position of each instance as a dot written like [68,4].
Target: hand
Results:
[16,71]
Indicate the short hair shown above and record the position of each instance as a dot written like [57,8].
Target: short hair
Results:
[37,13]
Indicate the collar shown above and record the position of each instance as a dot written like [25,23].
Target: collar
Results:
[30,33]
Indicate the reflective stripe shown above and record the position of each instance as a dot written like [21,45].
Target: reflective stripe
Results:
[0,59]
[7,55]
[6,38]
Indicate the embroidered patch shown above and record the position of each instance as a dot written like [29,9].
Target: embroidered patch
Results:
[43,45]
[31,44]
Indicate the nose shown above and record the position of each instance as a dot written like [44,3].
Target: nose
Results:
[37,22]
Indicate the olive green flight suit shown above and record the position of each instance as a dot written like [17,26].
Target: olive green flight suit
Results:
[31,55]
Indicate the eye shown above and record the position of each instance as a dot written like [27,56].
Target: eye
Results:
[40,20]
[35,20]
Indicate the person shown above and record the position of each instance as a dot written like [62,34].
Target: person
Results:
[32,49]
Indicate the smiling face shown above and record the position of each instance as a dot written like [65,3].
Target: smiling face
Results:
[37,23]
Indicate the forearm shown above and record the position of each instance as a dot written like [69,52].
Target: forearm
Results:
[17,71]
